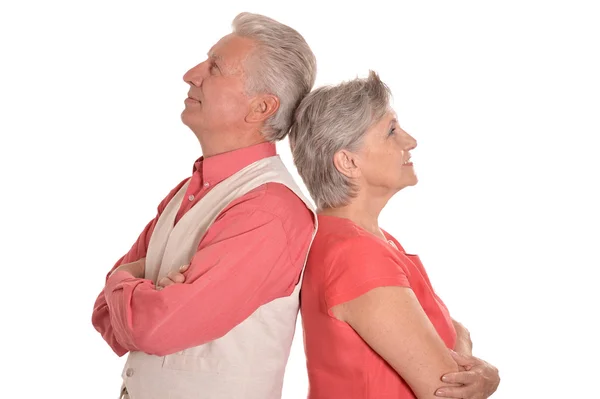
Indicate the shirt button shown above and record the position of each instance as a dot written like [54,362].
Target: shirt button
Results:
[206,184]
[191,197]
[129,372]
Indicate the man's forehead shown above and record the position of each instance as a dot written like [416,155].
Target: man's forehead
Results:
[230,47]
[215,51]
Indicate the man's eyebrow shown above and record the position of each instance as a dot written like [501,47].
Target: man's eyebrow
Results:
[214,56]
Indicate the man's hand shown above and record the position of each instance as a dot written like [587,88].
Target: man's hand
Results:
[137,268]
[173,277]
[479,380]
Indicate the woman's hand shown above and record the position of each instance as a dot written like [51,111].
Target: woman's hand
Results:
[479,379]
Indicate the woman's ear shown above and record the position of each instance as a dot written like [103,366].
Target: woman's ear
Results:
[346,163]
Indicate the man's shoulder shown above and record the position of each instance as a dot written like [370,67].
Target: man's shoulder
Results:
[276,199]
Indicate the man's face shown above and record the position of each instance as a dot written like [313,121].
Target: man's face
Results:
[217,102]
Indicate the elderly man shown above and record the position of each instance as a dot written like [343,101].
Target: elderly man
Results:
[237,232]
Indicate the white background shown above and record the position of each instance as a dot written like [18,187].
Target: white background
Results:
[503,98]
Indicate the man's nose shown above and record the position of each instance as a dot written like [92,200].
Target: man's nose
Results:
[195,76]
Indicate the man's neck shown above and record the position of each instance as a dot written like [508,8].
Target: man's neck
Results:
[227,143]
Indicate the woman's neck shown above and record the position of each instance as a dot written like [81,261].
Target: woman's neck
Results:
[363,212]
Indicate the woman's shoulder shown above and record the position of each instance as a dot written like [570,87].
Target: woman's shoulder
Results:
[347,261]
[339,229]
[335,234]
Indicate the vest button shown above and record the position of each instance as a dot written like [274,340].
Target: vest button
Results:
[191,197]
[129,372]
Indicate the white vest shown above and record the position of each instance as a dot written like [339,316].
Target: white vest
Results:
[249,361]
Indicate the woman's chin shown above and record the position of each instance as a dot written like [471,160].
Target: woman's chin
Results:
[408,183]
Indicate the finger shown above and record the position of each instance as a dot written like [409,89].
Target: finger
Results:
[183,268]
[165,282]
[176,277]
[455,392]
[462,377]
[462,360]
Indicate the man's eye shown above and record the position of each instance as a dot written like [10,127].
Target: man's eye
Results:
[392,131]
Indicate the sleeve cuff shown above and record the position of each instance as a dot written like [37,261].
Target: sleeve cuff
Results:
[363,288]
[115,279]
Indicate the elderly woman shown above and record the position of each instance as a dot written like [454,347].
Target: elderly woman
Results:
[374,327]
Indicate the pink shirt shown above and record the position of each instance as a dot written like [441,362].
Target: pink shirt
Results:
[346,262]
[252,254]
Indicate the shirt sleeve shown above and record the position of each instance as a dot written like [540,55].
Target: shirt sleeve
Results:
[101,319]
[359,265]
[242,263]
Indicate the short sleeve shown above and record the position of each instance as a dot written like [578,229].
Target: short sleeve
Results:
[359,265]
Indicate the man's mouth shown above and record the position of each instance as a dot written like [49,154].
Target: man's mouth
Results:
[192,99]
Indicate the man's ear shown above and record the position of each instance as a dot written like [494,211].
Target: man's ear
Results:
[262,108]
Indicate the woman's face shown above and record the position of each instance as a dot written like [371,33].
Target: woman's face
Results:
[384,158]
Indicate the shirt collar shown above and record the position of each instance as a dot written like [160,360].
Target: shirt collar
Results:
[219,167]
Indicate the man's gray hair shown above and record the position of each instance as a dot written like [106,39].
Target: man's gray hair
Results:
[282,64]
[330,119]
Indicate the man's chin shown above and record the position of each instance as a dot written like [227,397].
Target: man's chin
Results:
[191,121]
[187,117]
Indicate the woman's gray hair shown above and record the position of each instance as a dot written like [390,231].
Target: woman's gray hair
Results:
[330,119]
[283,65]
